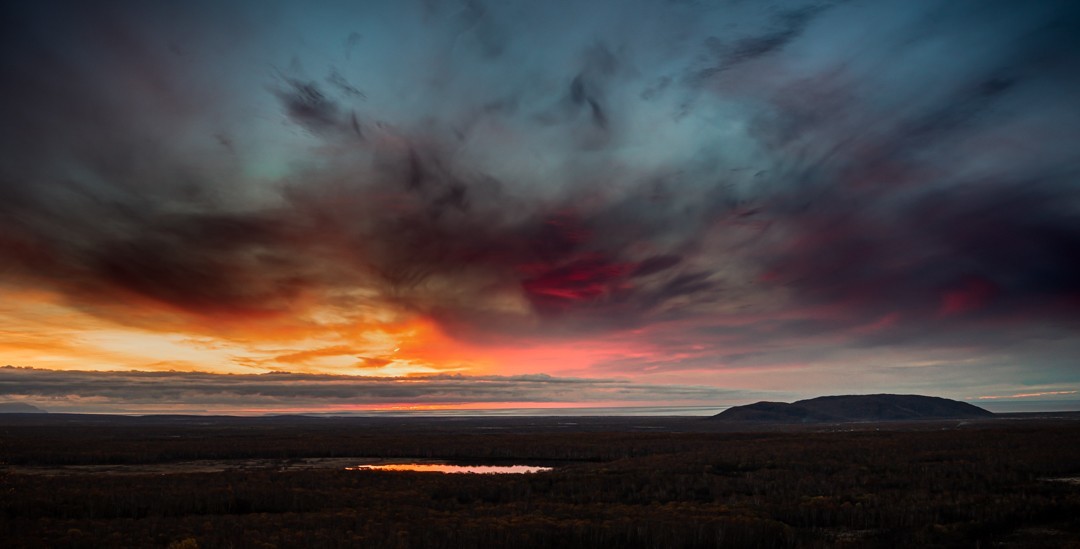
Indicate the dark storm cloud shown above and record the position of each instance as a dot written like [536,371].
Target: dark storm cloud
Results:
[983,249]
[962,207]
[109,181]
[308,106]
[781,30]
[204,263]
[503,171]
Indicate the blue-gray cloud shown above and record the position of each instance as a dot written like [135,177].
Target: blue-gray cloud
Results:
[89,390]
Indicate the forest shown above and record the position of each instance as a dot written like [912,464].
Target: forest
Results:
[642,482]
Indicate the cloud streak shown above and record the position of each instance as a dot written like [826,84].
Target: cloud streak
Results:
[84,390]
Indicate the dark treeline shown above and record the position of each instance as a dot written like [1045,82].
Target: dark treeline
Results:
[989,485]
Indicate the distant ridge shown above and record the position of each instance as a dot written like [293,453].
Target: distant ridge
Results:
[846,408]
[19,408]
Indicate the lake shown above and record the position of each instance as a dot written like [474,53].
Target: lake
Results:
[447,468]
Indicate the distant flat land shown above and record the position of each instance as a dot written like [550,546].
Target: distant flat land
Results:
[1012,480]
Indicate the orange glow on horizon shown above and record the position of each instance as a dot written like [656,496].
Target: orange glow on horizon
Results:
[458,407]
[39,329]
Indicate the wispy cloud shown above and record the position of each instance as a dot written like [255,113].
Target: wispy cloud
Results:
[1028,395]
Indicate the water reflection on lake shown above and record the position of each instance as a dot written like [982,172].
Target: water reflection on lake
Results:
[444,468]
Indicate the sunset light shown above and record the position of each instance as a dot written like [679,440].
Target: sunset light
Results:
[732,202]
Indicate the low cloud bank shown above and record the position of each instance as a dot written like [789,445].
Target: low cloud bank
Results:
[131,391]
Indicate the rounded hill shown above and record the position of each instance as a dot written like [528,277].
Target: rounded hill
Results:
[846,408]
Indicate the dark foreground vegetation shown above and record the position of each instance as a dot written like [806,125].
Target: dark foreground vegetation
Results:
[621,483]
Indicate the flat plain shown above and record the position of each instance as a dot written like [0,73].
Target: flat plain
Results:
[196,481]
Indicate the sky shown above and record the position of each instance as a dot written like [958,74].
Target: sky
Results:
[271,206]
